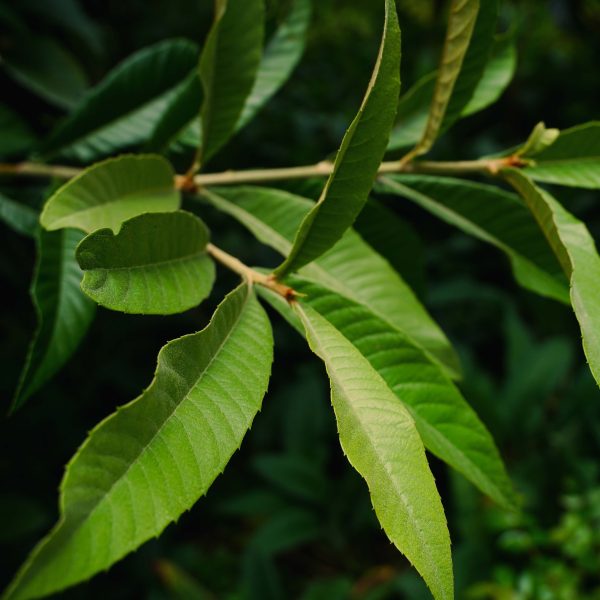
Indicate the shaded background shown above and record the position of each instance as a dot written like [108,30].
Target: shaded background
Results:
[289,518]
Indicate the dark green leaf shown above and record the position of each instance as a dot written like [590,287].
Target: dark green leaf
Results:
[358,158]
[124,108]
[18,216]
[142,467]
[156,264]
[493,216]
[17,137]
[112,191]
[228,68]
[64,313]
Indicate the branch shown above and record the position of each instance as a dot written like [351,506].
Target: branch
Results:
[250,275]
[489,167]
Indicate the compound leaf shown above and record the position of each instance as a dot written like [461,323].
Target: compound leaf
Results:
[387,452]
[124,108]
[228,68]
[573,159]
[150,461]
[156,264]
[493,216]
[64,313]
[357,160]
[576,251]
[351,268]
[112,191]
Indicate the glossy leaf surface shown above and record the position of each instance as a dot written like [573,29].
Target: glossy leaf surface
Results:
[357,160]
[112,191]
[150,461]
[388,453]
[156,264]
[63,312]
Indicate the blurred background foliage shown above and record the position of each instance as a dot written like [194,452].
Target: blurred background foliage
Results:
[290,519]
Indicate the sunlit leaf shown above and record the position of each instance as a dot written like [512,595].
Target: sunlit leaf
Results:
[156,264]
[112,191]
[150,461]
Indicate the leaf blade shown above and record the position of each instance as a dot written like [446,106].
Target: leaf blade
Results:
[184,446]
[358,158]
[576,250]
[64,314]
[227,69]
[156,264]
[112,191]
[402,488]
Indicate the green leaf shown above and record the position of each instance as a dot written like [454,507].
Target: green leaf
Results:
[358,158]
[282,54]
[448,426]
[575,249]
[493,216]
[413,108]
[228,68]
[150,461]
[17,216]
[17,137]
[573,159]
[539,139]
[112,191]
[461,24]
[387,452]
[125,107]
[351,268]
[157,264]
[43,66]
[64,314]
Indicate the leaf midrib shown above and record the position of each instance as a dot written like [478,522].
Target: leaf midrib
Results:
[163,263]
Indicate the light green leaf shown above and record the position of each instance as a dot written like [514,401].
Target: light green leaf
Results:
[125,107]
[18,216]
[446,423]
[228,68]
[17,136]
[150,461]
[282,54]
[351,268]
[461,23]
[539,139]
[493,216]
[387,452]
[573,159]
[112,191]
[575,249]
[358,158]
[497,75]
[43,66]
[157,264]
[413,108]
[64,314]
